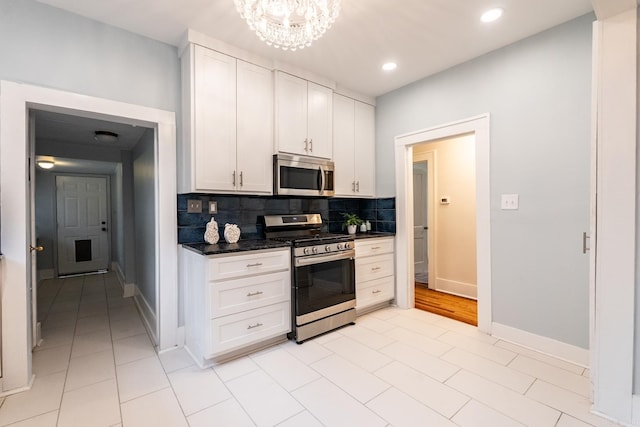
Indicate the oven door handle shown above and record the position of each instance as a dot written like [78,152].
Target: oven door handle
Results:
[317,259]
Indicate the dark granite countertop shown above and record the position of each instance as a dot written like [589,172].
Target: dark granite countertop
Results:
[373,234]
[223,247]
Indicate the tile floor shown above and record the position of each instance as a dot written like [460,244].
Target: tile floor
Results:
[97,367]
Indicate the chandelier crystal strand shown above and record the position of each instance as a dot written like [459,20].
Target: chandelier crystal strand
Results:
[289,24]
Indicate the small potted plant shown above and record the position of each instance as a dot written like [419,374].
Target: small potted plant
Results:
[351,221]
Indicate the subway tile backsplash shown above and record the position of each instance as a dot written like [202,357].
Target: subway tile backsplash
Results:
[246,211]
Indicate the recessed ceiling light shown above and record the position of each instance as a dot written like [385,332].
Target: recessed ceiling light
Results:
[389,66]
[45,164]
[492,15]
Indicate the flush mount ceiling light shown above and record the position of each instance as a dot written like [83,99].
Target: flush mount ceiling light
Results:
[105,136]
[389,66]
[289,24]
[45,164]
[492,15]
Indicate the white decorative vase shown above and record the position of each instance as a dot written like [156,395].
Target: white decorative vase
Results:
[211,235]
[231,233]
[351,229]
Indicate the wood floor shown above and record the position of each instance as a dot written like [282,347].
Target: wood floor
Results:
[454,307]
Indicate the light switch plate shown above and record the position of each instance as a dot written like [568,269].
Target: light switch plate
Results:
[509,202]
[194,206]
[213,207]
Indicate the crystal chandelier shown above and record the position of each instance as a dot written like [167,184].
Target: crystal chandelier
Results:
[289,24]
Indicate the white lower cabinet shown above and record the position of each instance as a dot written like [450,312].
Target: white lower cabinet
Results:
[235,301]
[375,272]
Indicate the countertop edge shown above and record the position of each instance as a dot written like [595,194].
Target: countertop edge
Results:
[242,246]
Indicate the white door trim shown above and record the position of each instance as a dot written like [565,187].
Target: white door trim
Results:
[404,222]
[15,101]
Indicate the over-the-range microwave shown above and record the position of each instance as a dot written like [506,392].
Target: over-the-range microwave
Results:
[302,176]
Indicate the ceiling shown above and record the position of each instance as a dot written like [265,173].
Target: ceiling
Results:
[422,36]
[70,129]
[81,130]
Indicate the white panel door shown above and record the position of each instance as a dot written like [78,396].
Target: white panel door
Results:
[420,228]
[215,121]
[365,150]
[291,114]
[254,128]
[83,234]
[319,120]
[343,151]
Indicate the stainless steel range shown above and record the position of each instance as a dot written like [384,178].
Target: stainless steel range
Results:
[323,283]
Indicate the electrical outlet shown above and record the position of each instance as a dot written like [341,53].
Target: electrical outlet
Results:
[194,206]
[213,207]
[509,202]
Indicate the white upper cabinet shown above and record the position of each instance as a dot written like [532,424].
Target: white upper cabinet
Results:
[303,117]
[228,124]
[353,147]
[254,128]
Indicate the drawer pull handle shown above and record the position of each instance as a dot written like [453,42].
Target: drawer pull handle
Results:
[377,291]
[375,248]
[257,264]
[253,294]
[257,325]
[375,268]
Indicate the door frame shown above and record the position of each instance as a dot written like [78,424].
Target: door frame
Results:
[15,101]
[479,126]
[108,207]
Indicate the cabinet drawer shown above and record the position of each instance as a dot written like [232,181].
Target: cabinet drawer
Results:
[232,296]
[258,262]
[374,267]
[249,327]
[374,292]
[367,247]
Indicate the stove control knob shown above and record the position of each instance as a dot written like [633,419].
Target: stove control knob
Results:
[306,251]
[339,246]
[315,249]
[327,248]
[347,245]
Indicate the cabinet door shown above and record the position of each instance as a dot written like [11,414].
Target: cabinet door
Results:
[254,129]
[215,120]
[319,121]
[291,114]
[364,149]
[343,149]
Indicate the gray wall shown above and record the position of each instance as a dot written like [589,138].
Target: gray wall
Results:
[49,47]
[538,92]
[144,216]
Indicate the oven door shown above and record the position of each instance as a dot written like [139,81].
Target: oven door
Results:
[324,285]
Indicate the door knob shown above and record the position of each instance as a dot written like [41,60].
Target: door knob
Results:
[36,248]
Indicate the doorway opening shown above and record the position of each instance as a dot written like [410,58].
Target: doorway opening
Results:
[404,155]
[444,227]
[85,202]
[16,169]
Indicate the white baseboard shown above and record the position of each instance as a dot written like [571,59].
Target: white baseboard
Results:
[635,413]
[467,290]
[128,289]
[549,346]
[46,273]
[148,315]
